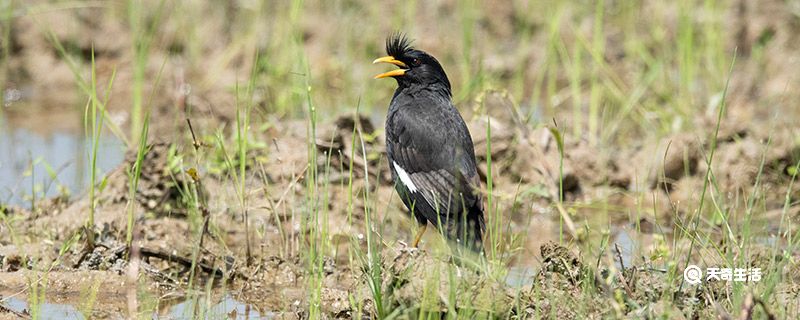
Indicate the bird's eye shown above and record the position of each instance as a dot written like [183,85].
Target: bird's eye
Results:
[416,61]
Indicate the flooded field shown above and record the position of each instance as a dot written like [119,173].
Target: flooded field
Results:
[155,167]
[43,163]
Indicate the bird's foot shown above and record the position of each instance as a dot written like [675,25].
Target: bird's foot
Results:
[405,248]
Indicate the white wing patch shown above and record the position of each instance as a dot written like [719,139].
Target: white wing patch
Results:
[404,177]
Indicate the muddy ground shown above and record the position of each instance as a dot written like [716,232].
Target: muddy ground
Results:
[639,192]
[276,278]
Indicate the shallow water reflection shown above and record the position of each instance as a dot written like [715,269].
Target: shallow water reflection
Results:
[227,308]
[46,310]
[37,165]
[520,276]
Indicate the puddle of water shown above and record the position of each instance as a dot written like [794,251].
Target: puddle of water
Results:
[627,247]
[29,161]
[227,308]
[47,310]
[633,245]
[520,276]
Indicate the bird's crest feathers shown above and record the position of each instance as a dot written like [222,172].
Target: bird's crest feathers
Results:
[397,45]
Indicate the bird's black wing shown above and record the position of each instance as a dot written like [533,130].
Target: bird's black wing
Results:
[432,160]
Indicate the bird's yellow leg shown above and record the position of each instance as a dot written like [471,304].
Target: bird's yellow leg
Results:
[419,235]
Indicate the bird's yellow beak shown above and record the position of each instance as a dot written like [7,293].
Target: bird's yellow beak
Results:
[393,73]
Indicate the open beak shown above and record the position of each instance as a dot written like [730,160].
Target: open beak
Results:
[393,73]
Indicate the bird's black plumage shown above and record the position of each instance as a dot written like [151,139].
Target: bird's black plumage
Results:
[429,147]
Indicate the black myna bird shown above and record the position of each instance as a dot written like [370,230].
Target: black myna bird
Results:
[430,149]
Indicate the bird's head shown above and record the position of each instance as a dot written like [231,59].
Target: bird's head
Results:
[417,68]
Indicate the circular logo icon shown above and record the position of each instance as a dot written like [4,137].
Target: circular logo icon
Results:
[692,274]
